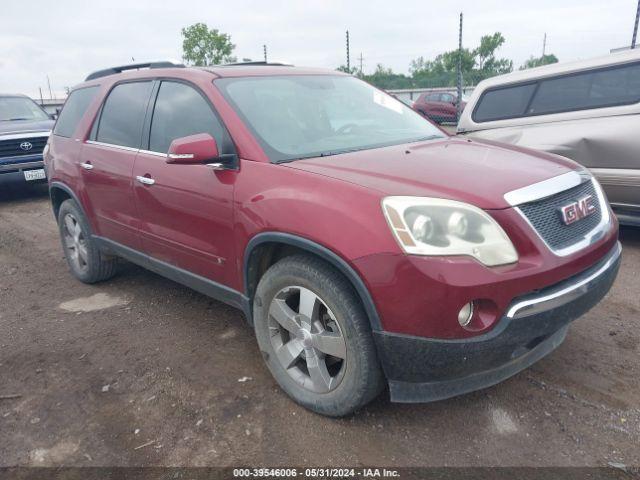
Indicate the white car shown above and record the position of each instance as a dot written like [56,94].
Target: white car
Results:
[587,110]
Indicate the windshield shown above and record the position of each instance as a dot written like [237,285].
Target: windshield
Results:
[20,108]
[310,116]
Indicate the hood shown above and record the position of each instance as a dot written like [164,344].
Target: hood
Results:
[472,171]
[25,126]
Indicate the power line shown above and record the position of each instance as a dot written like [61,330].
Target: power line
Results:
[459,109]
[49,83]
[635,28]
[348,59]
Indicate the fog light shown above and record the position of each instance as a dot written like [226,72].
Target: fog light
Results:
[465,314]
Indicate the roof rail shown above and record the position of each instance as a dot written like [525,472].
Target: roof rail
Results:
[256,63]
[133,66]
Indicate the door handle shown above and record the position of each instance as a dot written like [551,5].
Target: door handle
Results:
[145,180]
[86,166]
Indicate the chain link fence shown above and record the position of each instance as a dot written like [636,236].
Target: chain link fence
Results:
[440,103]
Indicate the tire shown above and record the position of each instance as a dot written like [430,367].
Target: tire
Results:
[86,262]
[291,292]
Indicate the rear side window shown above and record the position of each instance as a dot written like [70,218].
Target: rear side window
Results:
[605,87]
[123,113]
[508,102]
[595,89]
[180,111]
[74,109]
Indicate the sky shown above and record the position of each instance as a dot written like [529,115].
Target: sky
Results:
[67,39]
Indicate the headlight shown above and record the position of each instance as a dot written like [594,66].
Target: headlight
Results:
[435,226]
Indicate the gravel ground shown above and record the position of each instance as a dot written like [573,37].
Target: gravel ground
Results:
[142,371]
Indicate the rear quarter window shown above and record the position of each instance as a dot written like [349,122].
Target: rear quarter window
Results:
[73,111]
[502,103]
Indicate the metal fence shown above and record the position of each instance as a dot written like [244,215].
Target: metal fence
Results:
[437,107]
[409,95]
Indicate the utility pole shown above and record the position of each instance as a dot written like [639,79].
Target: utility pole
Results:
[49,83]
[544,44]
[348,59]
[264,49]
[459,107]
[635,28]
[41,99]
[360,63]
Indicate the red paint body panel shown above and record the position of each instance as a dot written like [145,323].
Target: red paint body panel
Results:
[107,189]
[422,295]
[202,220]
[186,217]
[474,172]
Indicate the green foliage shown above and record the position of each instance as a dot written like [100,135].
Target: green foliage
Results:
[202,46]
[442,71]
[539,61]
[351,71]
[386,79]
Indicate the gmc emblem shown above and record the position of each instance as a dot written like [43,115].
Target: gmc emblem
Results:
[578,210]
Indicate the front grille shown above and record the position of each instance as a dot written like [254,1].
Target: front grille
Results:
[11,148]
[546,217]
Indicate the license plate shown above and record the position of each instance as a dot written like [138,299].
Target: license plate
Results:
[30,175]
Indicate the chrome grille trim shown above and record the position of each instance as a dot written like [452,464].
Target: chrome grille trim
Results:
[563,295]
[546,188]
[589,238]
[19,135]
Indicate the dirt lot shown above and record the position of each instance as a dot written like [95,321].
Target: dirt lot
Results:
[141,371]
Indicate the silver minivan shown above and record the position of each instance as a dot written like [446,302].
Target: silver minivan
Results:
[587,110]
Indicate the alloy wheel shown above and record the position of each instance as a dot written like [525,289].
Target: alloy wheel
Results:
[307,339]
[75,243]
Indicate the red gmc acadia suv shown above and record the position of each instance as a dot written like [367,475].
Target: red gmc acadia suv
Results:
[366,247]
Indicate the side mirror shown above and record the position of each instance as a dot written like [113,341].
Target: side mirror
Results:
[198,149]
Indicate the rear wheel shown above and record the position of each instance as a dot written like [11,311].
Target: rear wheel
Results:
[86,262]
[315,336]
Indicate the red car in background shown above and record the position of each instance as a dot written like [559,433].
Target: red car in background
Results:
[441,107]
[365,246]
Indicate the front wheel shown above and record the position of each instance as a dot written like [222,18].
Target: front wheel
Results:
[315,336]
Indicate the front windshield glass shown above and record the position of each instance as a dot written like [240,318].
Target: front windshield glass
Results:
[302,116]
[20,108]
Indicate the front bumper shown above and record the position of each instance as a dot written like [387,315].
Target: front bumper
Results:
[422,369]
[12,169]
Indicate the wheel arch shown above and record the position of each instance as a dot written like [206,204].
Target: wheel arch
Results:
[58,193]
[262,248]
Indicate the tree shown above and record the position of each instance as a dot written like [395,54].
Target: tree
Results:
[487,49]
[385,78]
[202,46]
[539,61]
[477,64]
[351,71]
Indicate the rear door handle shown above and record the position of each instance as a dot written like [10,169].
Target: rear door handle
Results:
[86,166]
[145,180]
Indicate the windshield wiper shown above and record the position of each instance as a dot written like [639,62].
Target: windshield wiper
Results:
[430,137]
[15,119]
